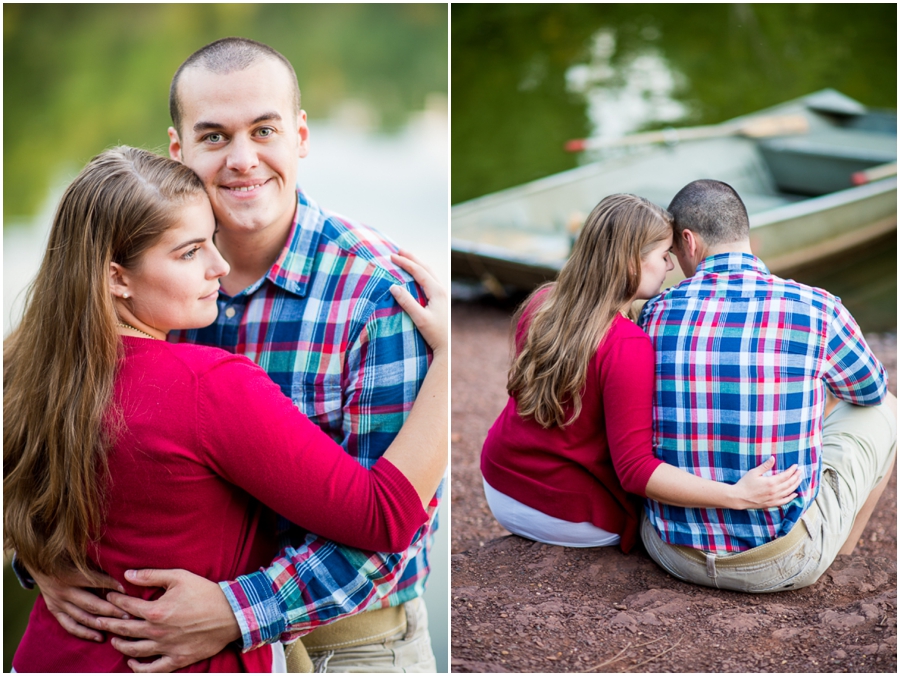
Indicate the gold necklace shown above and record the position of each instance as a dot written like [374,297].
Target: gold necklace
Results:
[129,326]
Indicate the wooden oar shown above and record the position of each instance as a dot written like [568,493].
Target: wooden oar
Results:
[776,125]
[874,174]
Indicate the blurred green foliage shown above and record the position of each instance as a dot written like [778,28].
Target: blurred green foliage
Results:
[511,112]
[17,603]
[78,78]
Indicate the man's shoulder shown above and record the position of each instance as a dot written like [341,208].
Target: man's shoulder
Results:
[652,306]
[811,295]
[740,286]
[362,250]
[326,249]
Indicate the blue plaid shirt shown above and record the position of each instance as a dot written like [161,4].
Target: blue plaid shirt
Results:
[325,327]
[743,359]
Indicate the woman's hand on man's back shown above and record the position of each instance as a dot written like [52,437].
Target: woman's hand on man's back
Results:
[755,490]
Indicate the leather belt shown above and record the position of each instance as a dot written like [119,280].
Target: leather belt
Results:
[361,629]
[767,552]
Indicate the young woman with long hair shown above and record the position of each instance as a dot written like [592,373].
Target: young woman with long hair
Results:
[568,457]
[121,450]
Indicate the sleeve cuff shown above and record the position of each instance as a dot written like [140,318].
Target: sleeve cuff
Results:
[411,515]
[256,608]
[22,575]
[640,487]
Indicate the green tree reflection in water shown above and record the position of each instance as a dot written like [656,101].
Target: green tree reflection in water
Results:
[514,66]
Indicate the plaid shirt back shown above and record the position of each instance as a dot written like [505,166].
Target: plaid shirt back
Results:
[743,359]
[325,327]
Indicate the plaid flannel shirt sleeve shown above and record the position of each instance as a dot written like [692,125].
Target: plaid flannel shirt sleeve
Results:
[319,581]
[852,372]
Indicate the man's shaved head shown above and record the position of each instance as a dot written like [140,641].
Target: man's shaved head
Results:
[225,56]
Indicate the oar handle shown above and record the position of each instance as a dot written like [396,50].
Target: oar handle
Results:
[668,135]
[760,127]
[874,174]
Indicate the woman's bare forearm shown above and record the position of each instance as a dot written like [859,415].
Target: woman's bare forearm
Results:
[758,488]
[674,486]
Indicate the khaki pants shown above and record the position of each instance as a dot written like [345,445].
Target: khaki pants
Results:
[860,443]
[408,650]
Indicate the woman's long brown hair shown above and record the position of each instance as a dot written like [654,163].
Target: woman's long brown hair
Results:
[565,329]
[59,364]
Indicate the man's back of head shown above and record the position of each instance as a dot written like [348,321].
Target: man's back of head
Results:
[711,209]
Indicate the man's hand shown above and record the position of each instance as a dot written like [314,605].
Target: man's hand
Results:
[191,621]
[74,606]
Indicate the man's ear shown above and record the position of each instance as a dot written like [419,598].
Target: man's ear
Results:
[689,243]
[174,145]
[303,134]
[118,281]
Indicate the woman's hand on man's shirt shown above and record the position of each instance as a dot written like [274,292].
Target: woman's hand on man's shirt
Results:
[757,491]
[431,320]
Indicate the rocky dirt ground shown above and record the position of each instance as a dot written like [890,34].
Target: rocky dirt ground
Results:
[520,606]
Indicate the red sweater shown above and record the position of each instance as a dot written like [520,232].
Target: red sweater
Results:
[585,471]
[208,438]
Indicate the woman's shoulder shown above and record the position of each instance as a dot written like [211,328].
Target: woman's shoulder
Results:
[214,377]
[198,360]
[625,339]
[623,328]
[629,330]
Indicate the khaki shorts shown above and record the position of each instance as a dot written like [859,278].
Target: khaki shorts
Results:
[859,446]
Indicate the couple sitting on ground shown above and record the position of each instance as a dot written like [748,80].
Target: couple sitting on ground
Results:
[713,407]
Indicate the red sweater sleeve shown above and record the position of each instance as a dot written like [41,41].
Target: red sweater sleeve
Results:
[627,381]
[254,437]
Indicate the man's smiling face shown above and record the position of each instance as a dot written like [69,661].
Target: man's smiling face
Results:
[241,133]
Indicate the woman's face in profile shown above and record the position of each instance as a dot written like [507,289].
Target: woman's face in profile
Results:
[175,284]
[654,268]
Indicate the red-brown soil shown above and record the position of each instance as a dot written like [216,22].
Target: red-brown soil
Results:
[520,606]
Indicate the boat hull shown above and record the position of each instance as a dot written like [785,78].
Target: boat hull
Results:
[520,237]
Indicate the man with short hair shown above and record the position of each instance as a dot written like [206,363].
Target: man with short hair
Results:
[744,359]
[308,299]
